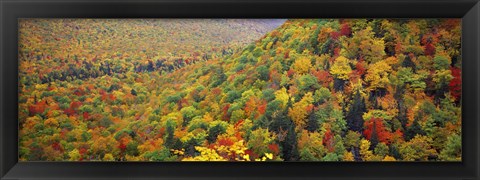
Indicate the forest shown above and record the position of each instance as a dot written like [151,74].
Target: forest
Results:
[240,90]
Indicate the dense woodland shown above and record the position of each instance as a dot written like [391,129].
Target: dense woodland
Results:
[240,90]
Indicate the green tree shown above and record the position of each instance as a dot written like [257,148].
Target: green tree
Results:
[263,73]
[453,149]
[417,149]
[441,62]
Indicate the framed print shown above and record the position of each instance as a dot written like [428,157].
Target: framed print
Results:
[239,89]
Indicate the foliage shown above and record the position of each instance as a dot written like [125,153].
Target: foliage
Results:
[240,90]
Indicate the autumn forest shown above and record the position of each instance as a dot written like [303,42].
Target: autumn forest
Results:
[240,90]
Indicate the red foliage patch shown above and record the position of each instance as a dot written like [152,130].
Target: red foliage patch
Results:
[108,97]
[75,104]
[429,49]
[83,151]
[336,51]
[334,35]
[309,108]
[161,131]
[69,112]
[38,108]
[225,108]
[328,141]
[251,154]
[122,147]
[262,107]
[397,134]
[86,115]
[112,97]
[345,30]
[56,146]
[290,72]
[455,85]
[383,134]
[398,47]
[360,67]
[451,23]
[73,108]
[101,91]
[274,148]
[216,91]
[286,55]
[239,123]
[225,142]
[323,77]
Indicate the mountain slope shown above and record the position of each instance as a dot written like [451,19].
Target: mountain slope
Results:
[310,90]
[380,83]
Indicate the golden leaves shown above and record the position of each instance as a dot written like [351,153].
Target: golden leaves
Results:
[298,112]
[341,68]
[378,75]
[302,65]
[282,95]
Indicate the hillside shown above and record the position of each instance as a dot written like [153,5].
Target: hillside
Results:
[106,46]
[309,90]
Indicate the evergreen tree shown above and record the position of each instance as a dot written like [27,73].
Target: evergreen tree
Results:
[413,130]
[402,110]
[133,92]
[169,141]
[355,114]
[407,62]
[374,138]
[312,123]
[283,125]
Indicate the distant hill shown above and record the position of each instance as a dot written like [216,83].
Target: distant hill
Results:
[59,43]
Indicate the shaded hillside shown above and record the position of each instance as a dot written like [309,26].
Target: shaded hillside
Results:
[310,90]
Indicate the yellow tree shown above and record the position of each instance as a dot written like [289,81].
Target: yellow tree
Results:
[74,155]
[341,68]
[377,75]
[348,156]
[302,65]
[282,96]
[389,158]
[108,157]
[298,112]
[366,154]
[206,154]
[364,45]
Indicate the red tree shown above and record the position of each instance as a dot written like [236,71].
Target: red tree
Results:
[345,30]
[360,67]
[382,133]
[274,148]
[323,77]
[38,108]
[328,140]
[226,116]
[429,49]
[455,85]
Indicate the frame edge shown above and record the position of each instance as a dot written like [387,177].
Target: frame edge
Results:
[5,169]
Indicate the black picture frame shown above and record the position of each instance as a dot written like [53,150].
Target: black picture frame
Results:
[11,10]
